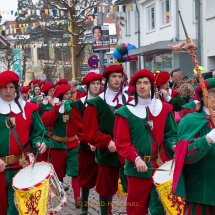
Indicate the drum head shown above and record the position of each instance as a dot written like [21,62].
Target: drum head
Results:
[27,178]
[163,176]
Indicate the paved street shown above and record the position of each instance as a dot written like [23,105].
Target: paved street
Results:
[93,201]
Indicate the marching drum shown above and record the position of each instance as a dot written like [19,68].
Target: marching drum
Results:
[38,190]
[173,204]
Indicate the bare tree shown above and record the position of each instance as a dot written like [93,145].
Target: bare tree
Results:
[9,58]
[79,12]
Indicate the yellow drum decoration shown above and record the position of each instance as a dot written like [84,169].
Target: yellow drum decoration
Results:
[172,204]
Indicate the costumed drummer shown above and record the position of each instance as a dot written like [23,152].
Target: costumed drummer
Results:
[87,167]
[14,148]
[134,142]
[194,173]
[64,144]
[98,126]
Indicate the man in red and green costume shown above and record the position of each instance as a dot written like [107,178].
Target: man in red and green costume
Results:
[194,173]
[133,142]
[47,100]
[29,128]
[165,93]
[24,91]
[98,130]
[87,167]
[64,144]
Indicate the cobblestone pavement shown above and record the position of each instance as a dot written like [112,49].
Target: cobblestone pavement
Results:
[70,209]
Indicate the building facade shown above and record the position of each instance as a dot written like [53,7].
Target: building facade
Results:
[160,26]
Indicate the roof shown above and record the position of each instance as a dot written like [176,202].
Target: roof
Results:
[4,44]
[160,47]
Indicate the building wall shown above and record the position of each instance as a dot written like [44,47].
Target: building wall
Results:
[208,20]
[167,31]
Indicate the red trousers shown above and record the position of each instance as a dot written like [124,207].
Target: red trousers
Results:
[87,169]
[3,191]
[107,180]
[58,160]
[138,195]
[193,208]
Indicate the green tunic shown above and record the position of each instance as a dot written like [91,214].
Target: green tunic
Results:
[106,123]
[198,170]
[141,140]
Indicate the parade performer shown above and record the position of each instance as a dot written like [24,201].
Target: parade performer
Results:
[46,99]
[98,130]
[62,81]
[14,148]
[166,94]
[64,144]
[194,169]
[33,83]
[87,167]
[134,142]
[24,91]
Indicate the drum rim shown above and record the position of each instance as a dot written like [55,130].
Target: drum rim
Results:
[160,167]
[39,183]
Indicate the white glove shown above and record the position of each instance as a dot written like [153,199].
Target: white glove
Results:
[211,135]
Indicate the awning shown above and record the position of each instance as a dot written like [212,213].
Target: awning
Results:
[4,44]
[161,47]
[124,2]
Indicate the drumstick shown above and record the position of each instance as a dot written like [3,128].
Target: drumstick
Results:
[37,152]
[155,169]
[170,171]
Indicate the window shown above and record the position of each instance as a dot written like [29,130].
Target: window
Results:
[111,60]
[151,17]
[195,11]
[165,7]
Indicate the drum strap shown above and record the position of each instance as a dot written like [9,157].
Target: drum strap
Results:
[147,126]
[158,159]
[12,127]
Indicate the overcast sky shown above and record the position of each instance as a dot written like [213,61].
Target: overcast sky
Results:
[8,5]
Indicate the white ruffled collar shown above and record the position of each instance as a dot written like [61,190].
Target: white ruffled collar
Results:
[155,107]
[89,96]
[110,95]
[7,107]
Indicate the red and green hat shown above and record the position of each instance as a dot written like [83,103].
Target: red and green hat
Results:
[92,76]
[36,81]
[61,90]
[111,69]
[161,78]
[24,89]
[62,81]
[7,77]
[47,86]
[42,83]
[140,74]
[209,83]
